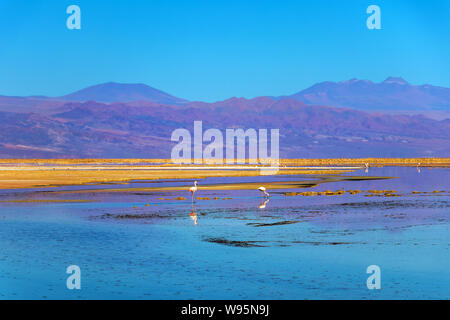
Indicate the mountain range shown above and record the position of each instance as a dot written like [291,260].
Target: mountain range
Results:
[344,119]
[391,95]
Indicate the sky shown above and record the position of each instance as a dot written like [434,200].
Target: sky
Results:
[212,50]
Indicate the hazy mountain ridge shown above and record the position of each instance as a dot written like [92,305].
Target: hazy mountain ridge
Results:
[39,127]
[393,94]
[93,129]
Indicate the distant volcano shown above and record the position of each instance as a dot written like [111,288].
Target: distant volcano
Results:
[122,92]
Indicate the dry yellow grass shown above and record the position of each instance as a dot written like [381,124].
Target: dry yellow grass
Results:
[82,161]
[45,201]
[424,162]
[283,162]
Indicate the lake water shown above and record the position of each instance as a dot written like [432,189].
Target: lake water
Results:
[293,247]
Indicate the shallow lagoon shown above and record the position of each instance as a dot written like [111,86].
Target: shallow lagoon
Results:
[297,247]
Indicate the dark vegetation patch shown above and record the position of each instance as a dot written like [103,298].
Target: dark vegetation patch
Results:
[332,243]
[132,216]
[391,204]
[233,243]
[359,178]
[281,223]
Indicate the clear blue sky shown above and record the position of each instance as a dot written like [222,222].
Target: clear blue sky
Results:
[215,49]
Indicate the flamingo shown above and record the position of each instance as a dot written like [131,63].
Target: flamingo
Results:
[367,167]
[263,190]
[193,190]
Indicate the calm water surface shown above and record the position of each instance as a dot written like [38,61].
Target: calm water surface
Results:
[293,247]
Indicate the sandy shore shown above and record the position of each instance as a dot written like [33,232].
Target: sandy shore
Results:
[279,185]
[35,173]
[24,178]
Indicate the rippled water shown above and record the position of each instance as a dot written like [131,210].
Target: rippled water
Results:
[296,247]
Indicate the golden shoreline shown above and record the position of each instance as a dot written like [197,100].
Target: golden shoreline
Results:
[290,162]
[38,173]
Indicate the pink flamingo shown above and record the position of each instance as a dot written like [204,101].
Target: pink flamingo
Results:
[193,190]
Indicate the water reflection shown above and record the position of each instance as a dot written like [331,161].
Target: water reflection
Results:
[193,215]
[408,231]
[263,204]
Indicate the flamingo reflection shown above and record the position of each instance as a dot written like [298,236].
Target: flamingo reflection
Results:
[193,216]
[263,204]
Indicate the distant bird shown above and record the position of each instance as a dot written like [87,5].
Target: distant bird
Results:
[418,167]
[193,190]
[263,190]
[367,167]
